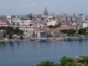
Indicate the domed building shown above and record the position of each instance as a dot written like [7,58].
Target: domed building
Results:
[45,12]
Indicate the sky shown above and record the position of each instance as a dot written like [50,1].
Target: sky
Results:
[23,7]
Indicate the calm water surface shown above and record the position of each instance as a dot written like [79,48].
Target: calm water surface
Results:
[30,53]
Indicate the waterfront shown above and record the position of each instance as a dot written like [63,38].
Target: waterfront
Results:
[29,53]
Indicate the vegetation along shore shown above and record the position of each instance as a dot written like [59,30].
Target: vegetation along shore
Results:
[67,61]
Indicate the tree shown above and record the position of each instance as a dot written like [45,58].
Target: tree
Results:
[69,32]
[57,25]
[66,61]
[10,36]
[11,31]
[46,63]
[21,32]
[82,31]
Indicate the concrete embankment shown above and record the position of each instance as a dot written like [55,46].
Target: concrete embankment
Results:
[55,39]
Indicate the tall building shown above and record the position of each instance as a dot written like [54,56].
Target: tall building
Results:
[29,16]
[45,12]
[80,18]
[73,17]
[84,17]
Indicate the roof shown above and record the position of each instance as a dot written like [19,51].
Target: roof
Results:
[44,29]
[65,27]
[4,22]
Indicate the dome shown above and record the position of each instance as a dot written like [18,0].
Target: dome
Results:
[45,11]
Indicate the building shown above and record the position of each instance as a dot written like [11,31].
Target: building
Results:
[74,25]
[4,23]
[65,27]
[41,32]
[46,32]
[73,17]
[15,21]
[45,12]
[2,33]
[80,18]
[28,31]
[85,24]
[53,22]
[8,18]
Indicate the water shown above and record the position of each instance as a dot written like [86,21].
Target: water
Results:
[30,53]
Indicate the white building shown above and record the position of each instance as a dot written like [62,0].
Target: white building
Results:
[28,31]
[27,23]
[85,24]
[18,22]
[53,22]
[8,18]
[74,25]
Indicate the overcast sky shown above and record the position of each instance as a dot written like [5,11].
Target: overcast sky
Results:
[18,7]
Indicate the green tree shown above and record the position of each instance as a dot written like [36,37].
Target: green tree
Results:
[46,63]
[66,61]
[11,31]
[71,32]
[56,26]
[82,31]
[68,32]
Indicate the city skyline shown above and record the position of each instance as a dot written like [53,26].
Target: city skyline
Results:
[21,7]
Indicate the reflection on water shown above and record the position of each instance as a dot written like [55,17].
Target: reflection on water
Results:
[11,44]
[30,53]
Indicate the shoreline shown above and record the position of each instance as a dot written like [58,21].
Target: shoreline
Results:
[50,39]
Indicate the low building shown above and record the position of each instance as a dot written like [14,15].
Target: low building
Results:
[18,22]
[53,22]
[28,31]
[41,32]
[74,25]
[65,27]
[4,23]
[46,32]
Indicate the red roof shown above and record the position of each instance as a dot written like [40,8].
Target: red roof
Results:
[45,29]
[4,22]
[65,27]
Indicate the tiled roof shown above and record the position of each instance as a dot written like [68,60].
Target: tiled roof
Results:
[66,27]
[44,29]
[4,22]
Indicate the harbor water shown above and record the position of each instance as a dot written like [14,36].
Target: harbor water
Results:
[30,53]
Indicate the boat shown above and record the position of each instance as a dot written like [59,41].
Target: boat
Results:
[80,38]
[43,39]
[67,39]
[32,39]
